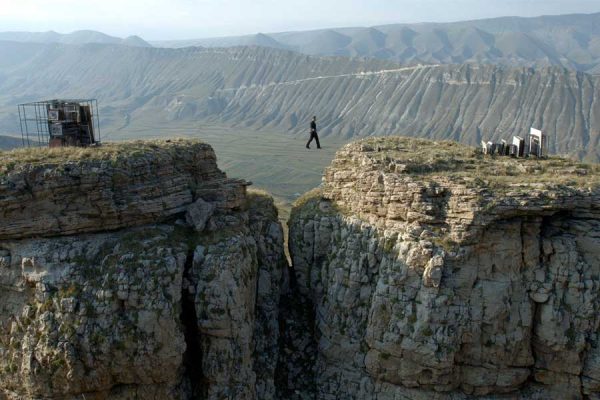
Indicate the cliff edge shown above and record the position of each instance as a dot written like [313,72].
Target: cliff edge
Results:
[432,271]
[135,270]
[421,270]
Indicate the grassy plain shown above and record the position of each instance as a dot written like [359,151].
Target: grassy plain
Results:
[274,161]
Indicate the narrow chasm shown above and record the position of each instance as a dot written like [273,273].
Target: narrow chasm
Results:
[192,358]
[295,373]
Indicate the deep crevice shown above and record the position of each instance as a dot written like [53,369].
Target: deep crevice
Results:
[296,326]
[192,358]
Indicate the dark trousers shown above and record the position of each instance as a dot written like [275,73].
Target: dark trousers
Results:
[313,135]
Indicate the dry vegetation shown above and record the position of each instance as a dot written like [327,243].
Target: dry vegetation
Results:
[446,158]
[107,152]
[316,193]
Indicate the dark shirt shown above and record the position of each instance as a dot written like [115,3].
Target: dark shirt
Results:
[313,126]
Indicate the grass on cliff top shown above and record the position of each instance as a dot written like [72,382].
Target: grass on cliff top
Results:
[425,157]
[106,151]
[262,202]
[314,203]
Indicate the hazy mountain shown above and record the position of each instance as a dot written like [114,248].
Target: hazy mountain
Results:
[77,37]
[258,39]
[9,142]
[148,89]
[571,41]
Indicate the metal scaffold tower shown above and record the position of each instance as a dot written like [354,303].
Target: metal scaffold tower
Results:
[58,123]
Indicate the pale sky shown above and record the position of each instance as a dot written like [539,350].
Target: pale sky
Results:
[186,19]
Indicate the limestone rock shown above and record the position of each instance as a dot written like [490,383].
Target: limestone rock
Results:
[440,273]
[71,335]
[105,297]
[119,186]
[198,213]
[433,272]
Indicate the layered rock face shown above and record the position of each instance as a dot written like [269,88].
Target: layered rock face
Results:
[435,272]
[135,271]
[421,270]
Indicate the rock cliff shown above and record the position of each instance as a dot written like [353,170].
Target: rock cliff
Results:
[421,270]
[135,271]
[432,272]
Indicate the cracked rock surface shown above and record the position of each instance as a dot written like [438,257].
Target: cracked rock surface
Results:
[421,270]
[435,272]
[108,293]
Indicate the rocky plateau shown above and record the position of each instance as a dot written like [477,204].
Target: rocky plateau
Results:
[434,272]
[420,270]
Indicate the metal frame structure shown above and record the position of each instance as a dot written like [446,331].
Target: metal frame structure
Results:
[34,120]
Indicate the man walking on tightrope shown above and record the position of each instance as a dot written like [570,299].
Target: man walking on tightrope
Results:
[313,134]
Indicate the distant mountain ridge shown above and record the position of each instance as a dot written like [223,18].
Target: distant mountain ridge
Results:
[77,37]
[571,41]
[10,142]
[148,90]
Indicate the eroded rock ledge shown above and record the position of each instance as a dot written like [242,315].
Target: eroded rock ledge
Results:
[50,192]
[435,272]
[135,271]
[421,270]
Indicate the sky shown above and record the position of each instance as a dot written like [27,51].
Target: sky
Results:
[187,19]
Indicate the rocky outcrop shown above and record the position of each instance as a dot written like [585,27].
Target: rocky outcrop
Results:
[435,272]
[135,271]
[126,186]
[420,270]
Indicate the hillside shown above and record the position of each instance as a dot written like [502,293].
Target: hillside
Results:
[571,41]
[157,90]
[77,37]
